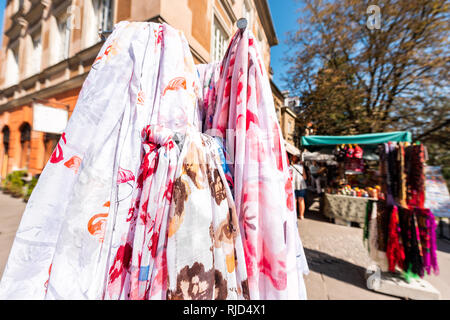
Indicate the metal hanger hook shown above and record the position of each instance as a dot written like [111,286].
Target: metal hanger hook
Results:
[242,24]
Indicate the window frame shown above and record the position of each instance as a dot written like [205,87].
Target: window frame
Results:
[25,145]
[6,137]
[247,9]
[64,37]
[36,56]
[100,11]
[14,48]
[218,26]
[106,24]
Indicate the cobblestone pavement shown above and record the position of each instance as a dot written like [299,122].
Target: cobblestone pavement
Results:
[336,256]
[338,260]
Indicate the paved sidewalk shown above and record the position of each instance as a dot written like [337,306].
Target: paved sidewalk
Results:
[338,260]
[336,256]
[11,210]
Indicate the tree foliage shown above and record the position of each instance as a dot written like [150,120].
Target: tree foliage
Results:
[352,79]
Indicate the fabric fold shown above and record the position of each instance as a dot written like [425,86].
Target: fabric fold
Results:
[205,256]
[136,202]
[242,114]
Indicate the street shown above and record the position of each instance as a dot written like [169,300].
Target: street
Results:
[11,210]
[336,256]
[338,260]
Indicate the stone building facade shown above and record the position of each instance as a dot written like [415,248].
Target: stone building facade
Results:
[287,116]
[49,46]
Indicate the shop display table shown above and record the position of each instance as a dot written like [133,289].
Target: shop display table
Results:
[347,208]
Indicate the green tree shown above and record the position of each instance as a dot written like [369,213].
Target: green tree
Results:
[354,79]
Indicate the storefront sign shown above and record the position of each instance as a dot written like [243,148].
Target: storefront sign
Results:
[437,197]
[49,119]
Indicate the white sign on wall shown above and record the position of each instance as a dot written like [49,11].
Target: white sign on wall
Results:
[49,119]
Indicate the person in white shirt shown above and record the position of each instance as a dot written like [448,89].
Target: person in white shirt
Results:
[315,177]
[298,179]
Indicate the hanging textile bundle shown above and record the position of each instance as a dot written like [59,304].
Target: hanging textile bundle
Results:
[203,215]
[209,76]
[243,116]
[138,269]
[75,222]
[183,240]
[404,230]
[415,170]
[427,233]
[147,206]
[395,252]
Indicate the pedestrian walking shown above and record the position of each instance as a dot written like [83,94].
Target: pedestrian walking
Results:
[315,177]
[299,181]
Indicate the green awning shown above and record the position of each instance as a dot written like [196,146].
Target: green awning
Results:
[368,138]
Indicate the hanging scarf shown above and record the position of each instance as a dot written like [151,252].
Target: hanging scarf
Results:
[244,117]
[411,242]
[183,240]
[367,215]
[401,174]
[394,251]
[382,220]
[416,175]
[209,76]
[393,171]
[75,221]
[139,269]
[101,238]
[205,256]
[427,231]
[30,261]
[384,173]
[375,252]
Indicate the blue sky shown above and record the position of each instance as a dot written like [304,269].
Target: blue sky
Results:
[284,17]
[2,9]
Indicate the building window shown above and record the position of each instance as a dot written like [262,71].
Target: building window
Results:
[4,168]
[25,138]
[247,13]
[219,42]
[37,54]
[260,41]
[12,67]
[63,44]
[50,142]
[5,133]
[98,15]
[290,128]
[279,114]
[104,14]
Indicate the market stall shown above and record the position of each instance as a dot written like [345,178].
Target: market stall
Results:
[369,138]
[352,177]
[386,192]
[346,208]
